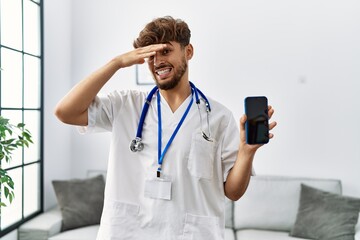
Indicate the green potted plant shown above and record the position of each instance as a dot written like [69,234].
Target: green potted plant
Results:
[11,138]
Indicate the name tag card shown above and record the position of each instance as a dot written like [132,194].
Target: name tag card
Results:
[158,189]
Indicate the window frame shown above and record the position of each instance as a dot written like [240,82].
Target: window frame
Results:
[23,111]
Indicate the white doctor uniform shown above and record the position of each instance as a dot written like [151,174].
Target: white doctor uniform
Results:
[195,167]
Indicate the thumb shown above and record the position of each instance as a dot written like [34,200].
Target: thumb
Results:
[242,122]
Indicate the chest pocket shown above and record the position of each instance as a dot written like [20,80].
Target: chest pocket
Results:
[201,157]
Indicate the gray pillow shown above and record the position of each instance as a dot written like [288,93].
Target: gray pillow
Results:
[80,200]
[324,215]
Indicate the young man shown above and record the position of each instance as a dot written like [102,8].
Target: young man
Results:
[172,181]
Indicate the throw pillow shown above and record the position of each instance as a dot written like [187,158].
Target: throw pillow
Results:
[80,200]
[325,215]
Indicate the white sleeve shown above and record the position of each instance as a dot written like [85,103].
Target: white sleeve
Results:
[102,112]
[230,147]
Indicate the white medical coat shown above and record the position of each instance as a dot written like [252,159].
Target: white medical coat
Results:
[197,168]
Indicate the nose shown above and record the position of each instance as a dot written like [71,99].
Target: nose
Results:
[157,59]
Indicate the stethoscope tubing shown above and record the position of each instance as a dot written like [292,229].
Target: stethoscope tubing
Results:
[148,101]
[144,112]
[197,91]
[136,144]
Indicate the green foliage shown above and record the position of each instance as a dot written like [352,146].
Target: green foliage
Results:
[12,137]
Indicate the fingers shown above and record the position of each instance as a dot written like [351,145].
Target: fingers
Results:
[138,56]
[148,51]
[271,135]
[270,111]
[272,125]
[153,47]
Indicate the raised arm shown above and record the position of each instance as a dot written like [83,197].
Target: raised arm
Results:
[73,107]
[239,176]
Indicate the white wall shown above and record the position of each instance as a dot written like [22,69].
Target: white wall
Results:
[57,77]
[303,55]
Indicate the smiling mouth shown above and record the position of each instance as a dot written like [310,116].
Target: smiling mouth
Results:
[162,73]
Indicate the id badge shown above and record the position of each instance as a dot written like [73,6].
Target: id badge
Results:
[158,188]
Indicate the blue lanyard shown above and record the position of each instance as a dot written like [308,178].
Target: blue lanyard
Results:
[161,155]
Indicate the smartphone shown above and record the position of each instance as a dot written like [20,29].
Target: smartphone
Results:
[257,123]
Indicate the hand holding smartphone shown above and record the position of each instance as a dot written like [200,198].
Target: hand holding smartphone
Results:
[257,123]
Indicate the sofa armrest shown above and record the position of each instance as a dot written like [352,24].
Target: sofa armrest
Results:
[41,227]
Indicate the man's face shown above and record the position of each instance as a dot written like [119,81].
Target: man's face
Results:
[168,66]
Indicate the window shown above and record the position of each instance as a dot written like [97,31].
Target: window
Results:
[21,84]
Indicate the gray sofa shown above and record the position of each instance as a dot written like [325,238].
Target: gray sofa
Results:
[268,210]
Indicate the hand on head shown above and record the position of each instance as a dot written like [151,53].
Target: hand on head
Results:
[138,55]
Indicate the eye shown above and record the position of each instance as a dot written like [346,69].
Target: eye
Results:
[165,51]
[151,59]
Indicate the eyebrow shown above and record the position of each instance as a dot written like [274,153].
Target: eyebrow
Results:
[169,43]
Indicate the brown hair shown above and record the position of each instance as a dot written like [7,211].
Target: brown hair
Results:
[162,30]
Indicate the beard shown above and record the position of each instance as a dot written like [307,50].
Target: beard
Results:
[175,80]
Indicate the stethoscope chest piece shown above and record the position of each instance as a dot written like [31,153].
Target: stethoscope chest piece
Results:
[136,145]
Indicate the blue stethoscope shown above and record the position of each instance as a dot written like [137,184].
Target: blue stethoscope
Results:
[136,144]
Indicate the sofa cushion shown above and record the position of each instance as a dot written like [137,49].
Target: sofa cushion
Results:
[324,215]
[80,200]
[229,234]
[253,234]
[83,233]
[41,227]
[271,202]
[229,213]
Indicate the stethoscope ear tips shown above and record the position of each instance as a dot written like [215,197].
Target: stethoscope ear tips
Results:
[206,137]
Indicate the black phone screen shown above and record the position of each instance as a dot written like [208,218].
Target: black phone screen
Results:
[257,123]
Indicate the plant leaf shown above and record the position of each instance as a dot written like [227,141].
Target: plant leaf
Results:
[7,142]
[6,190]
[11,197]
[4,121]
[10,182]
[7,147]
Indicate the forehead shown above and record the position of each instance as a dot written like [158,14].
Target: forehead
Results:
[172,44]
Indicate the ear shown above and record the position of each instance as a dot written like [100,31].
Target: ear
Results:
[189,51]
